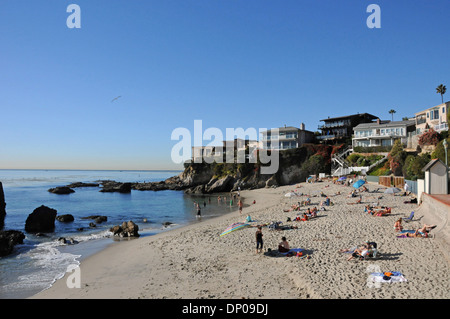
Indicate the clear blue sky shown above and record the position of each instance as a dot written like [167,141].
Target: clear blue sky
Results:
[229,63]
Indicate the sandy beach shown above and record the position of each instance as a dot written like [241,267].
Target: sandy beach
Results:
[195,262]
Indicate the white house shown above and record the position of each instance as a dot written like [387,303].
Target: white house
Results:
[382,133]
[286,137]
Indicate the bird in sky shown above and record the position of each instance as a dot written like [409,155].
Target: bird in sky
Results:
[116,98]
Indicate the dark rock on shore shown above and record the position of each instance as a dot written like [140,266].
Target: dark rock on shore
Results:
[2,207]
[111,186]
[67,218]
[69,241]
[42,219]
[127,229]
[63,190]
[8,239]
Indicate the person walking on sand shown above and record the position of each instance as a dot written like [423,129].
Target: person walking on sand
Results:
[259,240]
[240,204]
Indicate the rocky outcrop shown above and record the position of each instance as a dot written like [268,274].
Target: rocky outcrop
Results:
[81,184]
[62,190]
[8,239]
[2,207]
[42,219]
[111,186]
[67,218]
[98,219]
[127,229]
[205,178]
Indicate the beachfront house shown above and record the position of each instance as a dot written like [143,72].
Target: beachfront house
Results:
[382,133]
[219,153]
[340,129]
[201,152]
[432,118]
[286,137]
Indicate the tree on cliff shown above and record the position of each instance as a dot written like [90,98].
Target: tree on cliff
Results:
[314,165]
[396,158]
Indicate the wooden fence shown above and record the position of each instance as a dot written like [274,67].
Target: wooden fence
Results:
[385,181]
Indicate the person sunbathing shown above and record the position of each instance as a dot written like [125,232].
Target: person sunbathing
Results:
[357,202]
[383,212]
[307,201]
[352,194]
[359,252]
[424,231]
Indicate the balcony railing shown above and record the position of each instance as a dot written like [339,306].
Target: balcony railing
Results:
[364,136]
[441,127]
[325,137]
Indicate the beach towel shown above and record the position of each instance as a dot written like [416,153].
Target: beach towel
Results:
[380,277]
[293,251]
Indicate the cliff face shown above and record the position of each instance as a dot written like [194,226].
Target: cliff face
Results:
[295,166]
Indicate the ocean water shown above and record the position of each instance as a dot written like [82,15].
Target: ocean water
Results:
[41,260]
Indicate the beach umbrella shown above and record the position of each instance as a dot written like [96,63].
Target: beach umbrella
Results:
[392,190]
[342,178]
[359,183]
[233,227]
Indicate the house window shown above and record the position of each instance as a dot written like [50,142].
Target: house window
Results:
[443,109]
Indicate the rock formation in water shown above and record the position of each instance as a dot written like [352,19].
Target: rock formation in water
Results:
[8,239]
[42,219]
[62,190]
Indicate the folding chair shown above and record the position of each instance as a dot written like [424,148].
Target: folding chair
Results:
[410,218]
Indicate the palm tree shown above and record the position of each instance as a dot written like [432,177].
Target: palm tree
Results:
[441,89]
[392,113]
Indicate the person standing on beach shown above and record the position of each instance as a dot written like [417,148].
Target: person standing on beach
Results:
[240,204]
[259,240]
[199,213]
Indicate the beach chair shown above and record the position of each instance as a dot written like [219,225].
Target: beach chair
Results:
[410,218]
